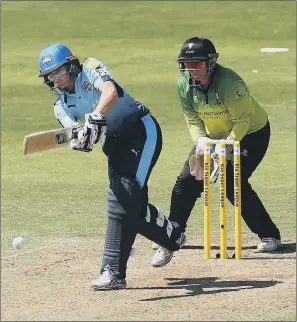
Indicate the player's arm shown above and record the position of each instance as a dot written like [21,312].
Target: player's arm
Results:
[194,123]
[95,123]
[196,128]
[240,105]
[109,96]
[101,79]
[62,117]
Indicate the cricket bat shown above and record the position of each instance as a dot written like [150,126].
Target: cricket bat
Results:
[47,140]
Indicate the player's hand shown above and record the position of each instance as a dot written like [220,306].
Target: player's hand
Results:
[196,167]
[81,140]
[97,125]
[200,145]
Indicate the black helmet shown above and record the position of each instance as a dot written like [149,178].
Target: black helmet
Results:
[198,49]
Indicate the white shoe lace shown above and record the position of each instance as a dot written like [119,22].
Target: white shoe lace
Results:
[269,240]
[106,269]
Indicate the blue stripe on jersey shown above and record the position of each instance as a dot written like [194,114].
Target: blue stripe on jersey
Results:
[148,150]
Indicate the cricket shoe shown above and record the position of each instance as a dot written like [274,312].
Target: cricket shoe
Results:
[269,244]
[163,256]
[107,281]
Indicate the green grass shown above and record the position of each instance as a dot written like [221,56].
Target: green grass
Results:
[62,192]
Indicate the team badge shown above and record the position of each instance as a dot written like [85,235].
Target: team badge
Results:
[46,59]
[102,70]
[87,86]
[190,50]
[239,93]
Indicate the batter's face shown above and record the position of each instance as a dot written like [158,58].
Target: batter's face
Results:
[62,78]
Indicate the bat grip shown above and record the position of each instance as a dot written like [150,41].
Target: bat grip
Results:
[75,133]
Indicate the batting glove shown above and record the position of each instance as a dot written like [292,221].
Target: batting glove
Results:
[97,124]
[81,140]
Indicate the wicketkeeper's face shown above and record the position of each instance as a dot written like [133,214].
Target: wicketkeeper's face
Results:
[197,69]
[61,77]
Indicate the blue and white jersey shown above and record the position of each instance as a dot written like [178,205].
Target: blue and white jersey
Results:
[70,108]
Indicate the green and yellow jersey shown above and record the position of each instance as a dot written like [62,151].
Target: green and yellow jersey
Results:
[226,110]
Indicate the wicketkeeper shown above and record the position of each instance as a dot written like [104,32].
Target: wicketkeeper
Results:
[132,141]
[217,104]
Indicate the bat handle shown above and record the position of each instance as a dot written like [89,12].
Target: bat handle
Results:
[75,133]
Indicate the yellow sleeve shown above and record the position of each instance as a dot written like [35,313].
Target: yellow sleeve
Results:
[195,125]
[240,105]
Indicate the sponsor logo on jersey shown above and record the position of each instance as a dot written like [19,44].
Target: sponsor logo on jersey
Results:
[212,115]
[87,86]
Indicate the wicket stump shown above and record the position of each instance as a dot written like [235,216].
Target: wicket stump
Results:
[223,198]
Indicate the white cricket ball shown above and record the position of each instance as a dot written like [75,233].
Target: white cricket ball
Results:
[18,242]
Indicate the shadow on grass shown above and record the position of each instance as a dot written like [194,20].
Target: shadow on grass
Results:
[283,249]
[204,286]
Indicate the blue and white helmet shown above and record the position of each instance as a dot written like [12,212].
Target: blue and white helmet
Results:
[53,57]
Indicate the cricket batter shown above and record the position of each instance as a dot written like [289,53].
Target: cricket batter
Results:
[217,104]
[132,142]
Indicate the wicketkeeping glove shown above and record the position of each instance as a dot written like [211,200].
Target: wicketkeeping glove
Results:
[215,167]
[215,156]
[200,145]
[196,166]
[229,151]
